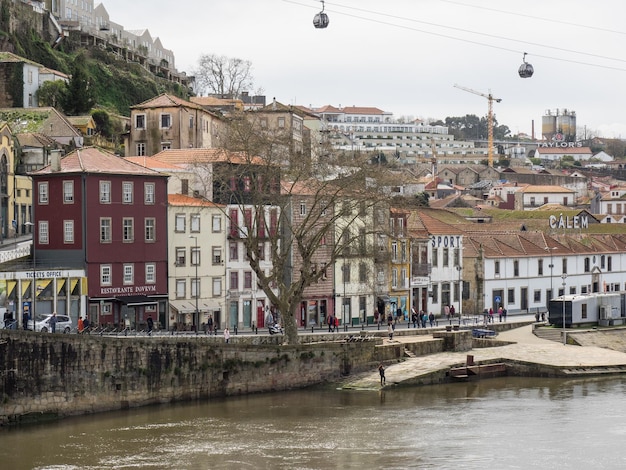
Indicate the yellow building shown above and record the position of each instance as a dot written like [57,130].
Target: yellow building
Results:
[15,190]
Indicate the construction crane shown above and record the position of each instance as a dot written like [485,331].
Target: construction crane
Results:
[490,99]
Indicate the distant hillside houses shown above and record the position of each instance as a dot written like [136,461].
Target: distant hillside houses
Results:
[97,29]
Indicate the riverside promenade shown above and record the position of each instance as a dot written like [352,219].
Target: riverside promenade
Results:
[538,356]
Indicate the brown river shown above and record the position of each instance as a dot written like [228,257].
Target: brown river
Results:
[505,423]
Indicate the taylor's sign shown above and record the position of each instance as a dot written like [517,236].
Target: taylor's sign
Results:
[562,145]
[577,221]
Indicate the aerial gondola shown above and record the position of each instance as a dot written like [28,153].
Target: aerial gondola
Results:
[526,70]
[320,21]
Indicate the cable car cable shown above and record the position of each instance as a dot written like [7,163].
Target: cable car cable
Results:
[469,41]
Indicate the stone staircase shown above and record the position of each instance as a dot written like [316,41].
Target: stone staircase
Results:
[408,353]
[550,333]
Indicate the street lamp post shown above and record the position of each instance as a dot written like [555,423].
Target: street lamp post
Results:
[459,269]
[196,316]
[564,276]
[34,280]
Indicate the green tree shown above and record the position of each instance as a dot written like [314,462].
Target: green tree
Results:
[80,96]
[421,199]
[104,126]
[52,93]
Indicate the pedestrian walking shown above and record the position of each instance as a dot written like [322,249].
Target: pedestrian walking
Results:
[414,317]
[490,314]
[226,335]
[424,320]
[331,323]
[150,323]
[25,320]
[53,322]
[86,324]
[390,330]
[504,314]
[446,311]
[381,371]
[209,323]
[81,325]
[431,319]
[500,314]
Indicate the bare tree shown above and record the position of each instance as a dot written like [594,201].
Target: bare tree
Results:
[262,187]
[225,76]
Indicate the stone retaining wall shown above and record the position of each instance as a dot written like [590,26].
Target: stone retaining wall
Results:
[62,375]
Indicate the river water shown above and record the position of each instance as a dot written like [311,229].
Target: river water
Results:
[504,423]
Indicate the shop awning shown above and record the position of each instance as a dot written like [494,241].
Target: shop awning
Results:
[136,300]
[189,306]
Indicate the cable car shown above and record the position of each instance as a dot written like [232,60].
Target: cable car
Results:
[526,70]
[320,21]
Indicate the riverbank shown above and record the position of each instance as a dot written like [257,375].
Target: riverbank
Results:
[593,352]
[49,376]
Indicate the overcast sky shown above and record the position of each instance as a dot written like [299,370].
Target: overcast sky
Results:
[404,56]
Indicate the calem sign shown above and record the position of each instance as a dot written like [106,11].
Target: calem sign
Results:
[575,222]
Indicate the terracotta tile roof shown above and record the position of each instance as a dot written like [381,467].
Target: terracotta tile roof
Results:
[522,244]
[435,226]
[155,164]
[166,101]
[184,200]
[95,160]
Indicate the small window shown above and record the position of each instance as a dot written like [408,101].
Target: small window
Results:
[216,255]
[181,288]
[43,193]
[43,232]
[68,192]
[496,266]
[234,280]
[140,121]
[537,296]
[105,230]
[217,223]
[128,274]
[217,286]
[195,288]
[181,256]
[150,229]
[302,208]
[127,192]
[247,280]
[148,193]
[539,267]
[141,149]
[194,225]
[515,268]
[166,145]
[105,192]
[128,234]
[511,296]
[68,231]
[166,121]
[281,122]
[150,273]
[180,223]
[105,275]
[195,256]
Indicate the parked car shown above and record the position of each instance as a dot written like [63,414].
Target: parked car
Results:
[42,323]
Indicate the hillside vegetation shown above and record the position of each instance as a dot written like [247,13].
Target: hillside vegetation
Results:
[116,84]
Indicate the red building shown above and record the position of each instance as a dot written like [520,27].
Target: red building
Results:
[98,212]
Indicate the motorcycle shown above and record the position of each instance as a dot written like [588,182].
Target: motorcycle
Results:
[276,329]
